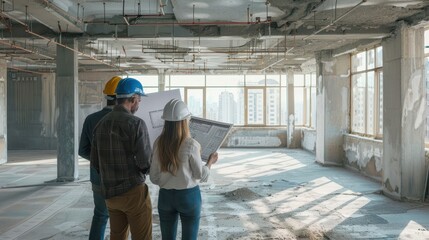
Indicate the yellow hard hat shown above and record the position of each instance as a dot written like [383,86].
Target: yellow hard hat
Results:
[110,87]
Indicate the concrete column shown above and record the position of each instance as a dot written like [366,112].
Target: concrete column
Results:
[3,111]
[404,101]
[48,109]
[290,110]
[161,80]
[67,108]
[333,90]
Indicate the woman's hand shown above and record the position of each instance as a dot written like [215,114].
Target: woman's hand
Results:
[212,159]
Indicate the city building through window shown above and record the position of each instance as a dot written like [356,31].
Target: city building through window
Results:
[367,92]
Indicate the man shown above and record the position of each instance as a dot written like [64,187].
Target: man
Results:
[121,153]
[101,215]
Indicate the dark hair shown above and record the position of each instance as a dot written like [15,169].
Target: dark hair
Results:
[123,100]
[111,102]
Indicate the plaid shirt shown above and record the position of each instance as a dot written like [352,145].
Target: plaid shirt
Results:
[120,151]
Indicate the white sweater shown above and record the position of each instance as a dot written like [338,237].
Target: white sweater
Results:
[191,168]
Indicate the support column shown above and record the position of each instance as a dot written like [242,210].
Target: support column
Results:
[333,91]
[404,168]
[161,80]
[3,111]
[290,109]
[67,107]
[47,116]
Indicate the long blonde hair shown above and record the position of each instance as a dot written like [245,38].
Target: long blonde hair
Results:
[172,136]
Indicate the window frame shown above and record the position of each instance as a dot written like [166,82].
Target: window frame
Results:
[280,86]
[246,106]
[376,101]
[186,89]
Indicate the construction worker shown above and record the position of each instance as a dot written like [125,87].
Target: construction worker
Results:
[121,153]
[101,215]
[177,168]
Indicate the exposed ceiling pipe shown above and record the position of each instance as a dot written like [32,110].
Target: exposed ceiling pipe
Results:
[54,7]
[23,70]
[223,69]
[25,49]
[127,16]
[272,64]
[335,21]
[71,49]
[192,23]
[222,52]
[2,13]
[57,43]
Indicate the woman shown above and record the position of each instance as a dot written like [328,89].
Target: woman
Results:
[177,168]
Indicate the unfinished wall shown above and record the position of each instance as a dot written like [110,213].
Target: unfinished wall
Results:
[308,139]
[364,155]
[3,112]
[30,125]
[256,137]
[333,94]
[36,130]
[404,172]
[91,99]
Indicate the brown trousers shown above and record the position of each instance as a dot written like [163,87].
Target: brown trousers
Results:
[131,210]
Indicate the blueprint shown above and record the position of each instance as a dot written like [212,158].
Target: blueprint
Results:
[210,134]
[151,108]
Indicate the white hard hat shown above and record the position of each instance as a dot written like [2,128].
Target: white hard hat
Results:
[175,110]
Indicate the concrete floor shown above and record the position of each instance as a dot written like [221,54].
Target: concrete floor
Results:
[252,194]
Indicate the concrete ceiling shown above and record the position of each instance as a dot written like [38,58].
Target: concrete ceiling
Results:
[193,36]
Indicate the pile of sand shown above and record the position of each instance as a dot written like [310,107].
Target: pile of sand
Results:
[242,194]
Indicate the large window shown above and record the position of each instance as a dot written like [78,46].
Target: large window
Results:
[244,100]
[299,99]
[305,99]
[367,92]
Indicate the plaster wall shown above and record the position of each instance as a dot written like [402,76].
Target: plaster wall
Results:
[333,91]
[364,155]
[404,101]
[308,139]
[31,111]
[256,137]
[43,135]
[91,99]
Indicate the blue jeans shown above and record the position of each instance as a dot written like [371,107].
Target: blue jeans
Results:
[187,204]
[101,214]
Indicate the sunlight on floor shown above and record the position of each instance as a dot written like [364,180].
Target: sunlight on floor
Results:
[413,229]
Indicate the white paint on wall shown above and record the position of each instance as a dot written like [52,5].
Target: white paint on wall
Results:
[319,84]
[290,128]
[257,141]
[361,150]
[347,75]
[309,66]
[344,104]
[420,114]
[308,140]
[329,66]
[378,152]
[412,95]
